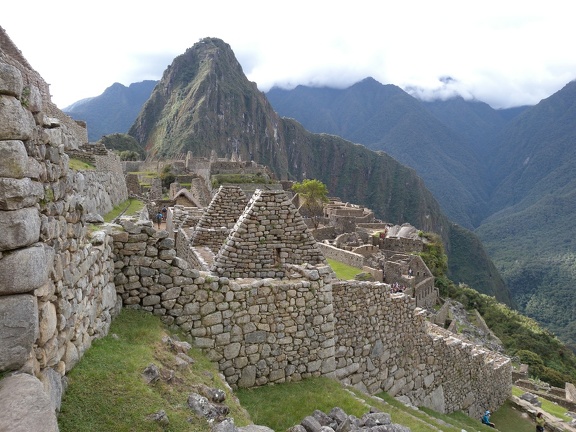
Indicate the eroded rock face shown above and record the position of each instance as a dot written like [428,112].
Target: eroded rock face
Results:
[25,405]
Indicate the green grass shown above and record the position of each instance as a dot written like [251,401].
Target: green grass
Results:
[78,165]
[106,391]
[509,419]
[284,405]
[549,407]
[129,207]
[343,271]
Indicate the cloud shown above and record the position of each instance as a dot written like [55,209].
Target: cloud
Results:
[503,53]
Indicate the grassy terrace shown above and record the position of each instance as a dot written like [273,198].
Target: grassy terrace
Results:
[107,392]
[343,271]
[128,208]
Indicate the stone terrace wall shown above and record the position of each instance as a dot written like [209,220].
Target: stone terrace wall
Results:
[258,331]
[56,294]
[347,257]
[382,343]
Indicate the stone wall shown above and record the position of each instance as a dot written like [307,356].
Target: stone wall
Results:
[382,342]
[219,218]
[268,236]
[398,244]
[322,233]
[347,257]
[56,292]
[133,184]
[273,330]
[258,331]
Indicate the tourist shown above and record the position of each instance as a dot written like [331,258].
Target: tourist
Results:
[486,419]
[540,422]
[164,213]
[159,219]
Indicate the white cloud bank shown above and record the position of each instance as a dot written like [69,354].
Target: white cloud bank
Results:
[505,53]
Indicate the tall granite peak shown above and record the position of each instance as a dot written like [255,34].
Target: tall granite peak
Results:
[205,103]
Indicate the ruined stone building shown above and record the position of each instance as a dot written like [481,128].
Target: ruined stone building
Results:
[247,282]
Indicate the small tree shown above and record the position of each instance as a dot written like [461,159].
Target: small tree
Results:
[313,194]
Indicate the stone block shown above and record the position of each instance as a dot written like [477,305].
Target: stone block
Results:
[48,320]
[11,82]
[19,193]
[14,159]
[18,329]
[17,122]
[25,269]
[25,405]
[19,228]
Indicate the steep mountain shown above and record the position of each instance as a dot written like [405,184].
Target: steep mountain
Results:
[113,111]
[531,233]
[523,159]
[384,117]
[204,102]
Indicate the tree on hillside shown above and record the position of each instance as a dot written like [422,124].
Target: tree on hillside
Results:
[312,195]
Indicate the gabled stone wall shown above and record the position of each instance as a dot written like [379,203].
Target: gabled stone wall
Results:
[258,331]
[219,218]
[269,235]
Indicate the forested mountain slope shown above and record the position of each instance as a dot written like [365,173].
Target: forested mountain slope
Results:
[204,102]
[522,159]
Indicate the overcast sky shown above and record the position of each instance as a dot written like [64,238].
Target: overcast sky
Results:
[505,52]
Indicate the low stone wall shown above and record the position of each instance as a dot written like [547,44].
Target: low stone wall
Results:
[320,234]
[397,244]
[382,342]
[442,314]
[549,394]
[347,257]
[258,331]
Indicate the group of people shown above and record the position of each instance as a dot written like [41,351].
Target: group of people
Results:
[396,287]
[540,421]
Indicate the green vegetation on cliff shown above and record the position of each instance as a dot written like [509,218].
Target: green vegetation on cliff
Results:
[204,103]
[549,359]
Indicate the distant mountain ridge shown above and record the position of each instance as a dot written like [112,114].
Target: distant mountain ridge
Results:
[113,111]
[509,174]
[204,102]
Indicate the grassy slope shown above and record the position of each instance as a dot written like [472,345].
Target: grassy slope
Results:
[107,392]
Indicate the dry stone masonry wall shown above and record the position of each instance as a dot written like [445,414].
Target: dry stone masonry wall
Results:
[258,330]
[382,342]
[56,289]
[269,235]
[219,218]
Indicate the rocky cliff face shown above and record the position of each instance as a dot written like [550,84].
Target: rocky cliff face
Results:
[204,102]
